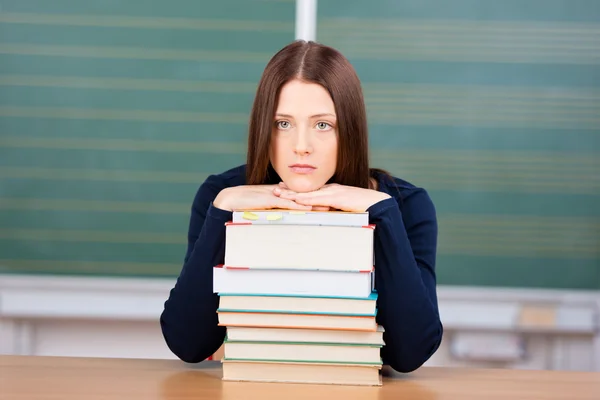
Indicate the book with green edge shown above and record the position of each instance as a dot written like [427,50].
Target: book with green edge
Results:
[303,352]
[304,361]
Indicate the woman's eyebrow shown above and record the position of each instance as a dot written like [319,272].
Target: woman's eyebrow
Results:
[312,116]
[323,115]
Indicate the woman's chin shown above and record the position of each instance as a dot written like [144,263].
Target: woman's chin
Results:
[303,185]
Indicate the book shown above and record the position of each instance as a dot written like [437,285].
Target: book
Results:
[312,373]
[296,295]
[328,248]
[293,217]
[298,304]
[340,353]
[298,320]
[307,335]
[249,281]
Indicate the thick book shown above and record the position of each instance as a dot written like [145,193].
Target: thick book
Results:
[327,248]
[298,304]
[340,353]
[312,373]
[292,282]
[293,217]
[238,333]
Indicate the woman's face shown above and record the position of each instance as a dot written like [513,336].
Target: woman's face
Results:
[304,141]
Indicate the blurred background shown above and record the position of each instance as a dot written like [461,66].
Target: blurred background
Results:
[112,113]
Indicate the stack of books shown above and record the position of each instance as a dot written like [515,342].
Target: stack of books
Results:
[296,295]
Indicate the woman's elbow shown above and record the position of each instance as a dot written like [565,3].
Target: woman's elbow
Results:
[190,348]
[408,359]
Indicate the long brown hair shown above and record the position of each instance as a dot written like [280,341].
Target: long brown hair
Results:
[315,63]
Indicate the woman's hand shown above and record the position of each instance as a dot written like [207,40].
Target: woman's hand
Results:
[254,197]
[339,197]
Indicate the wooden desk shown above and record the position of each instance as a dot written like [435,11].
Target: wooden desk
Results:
[88,378]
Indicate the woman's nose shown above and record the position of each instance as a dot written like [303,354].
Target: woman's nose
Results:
[302,145]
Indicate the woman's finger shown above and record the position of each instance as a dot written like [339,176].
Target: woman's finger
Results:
[287,194]
[321,208]
[292,205]
[314,200]
[306,196]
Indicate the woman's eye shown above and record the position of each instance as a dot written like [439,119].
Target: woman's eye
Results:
[283,124]
[322,125]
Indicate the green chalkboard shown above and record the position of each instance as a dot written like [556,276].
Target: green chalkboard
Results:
[494,108]
[113,113]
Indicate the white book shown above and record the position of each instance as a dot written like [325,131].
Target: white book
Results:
[292,282]
[240,333]
[333,248]
[293,217]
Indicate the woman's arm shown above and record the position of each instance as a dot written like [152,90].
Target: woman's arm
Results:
[405,254]
[189,321]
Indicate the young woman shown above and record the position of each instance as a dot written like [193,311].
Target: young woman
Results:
[307,150]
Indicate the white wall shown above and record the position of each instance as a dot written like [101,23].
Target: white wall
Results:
[99,317]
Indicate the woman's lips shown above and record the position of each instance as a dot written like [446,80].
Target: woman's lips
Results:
[302,168]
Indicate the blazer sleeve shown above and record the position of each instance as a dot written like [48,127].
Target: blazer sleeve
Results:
[189,321]
[405,255]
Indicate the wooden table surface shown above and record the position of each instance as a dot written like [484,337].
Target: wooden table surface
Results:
[25,377]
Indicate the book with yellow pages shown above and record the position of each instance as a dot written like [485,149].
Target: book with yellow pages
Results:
[294,372]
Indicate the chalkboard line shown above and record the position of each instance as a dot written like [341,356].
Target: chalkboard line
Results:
[481,220]
[521,94]
[574,238]
[452,270]
[127,21]
[534,170]
[547,227]
[560,174]
[493,159]
[582,181]
[138,53]
[463,40]
[380,93]
[456,248]
[395,112]
[67,267]
[401,115]
[549,107]
[470,243]
[563,30]
[469,180]
[514,235]
[481,53]
[448,40]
